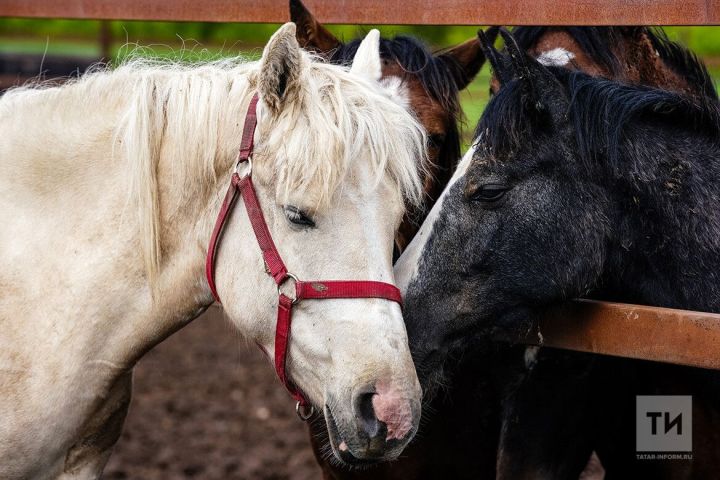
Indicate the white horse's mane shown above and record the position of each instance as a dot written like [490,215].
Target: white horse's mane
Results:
[176,110]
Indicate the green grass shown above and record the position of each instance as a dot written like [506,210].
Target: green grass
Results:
[703,40]
[187,51]
[208,33]
[81,48]
[473,100]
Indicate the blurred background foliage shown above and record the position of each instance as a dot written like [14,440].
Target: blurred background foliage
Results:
[194,41]
[705,41]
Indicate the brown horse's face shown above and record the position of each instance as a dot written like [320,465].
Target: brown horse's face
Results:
[438,114]
[437,122]
[638,61]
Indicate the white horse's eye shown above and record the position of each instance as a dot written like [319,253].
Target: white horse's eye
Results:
[298,217]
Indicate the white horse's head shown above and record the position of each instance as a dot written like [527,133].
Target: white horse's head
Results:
[335,161]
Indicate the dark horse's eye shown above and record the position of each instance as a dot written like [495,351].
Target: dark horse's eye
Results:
[490,193]
[297,216]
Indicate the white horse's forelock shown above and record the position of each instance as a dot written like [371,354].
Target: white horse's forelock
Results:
[348,119]
[336,118]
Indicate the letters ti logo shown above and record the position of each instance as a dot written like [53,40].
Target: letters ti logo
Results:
[663,423]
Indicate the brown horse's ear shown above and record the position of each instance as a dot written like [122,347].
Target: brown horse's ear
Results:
[632,31]
[310,34]
[469,57]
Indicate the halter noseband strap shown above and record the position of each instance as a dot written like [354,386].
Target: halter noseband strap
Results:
[275,267]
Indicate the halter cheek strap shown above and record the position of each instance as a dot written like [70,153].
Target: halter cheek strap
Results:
[275,267]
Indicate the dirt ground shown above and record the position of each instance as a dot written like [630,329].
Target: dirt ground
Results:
[207,405]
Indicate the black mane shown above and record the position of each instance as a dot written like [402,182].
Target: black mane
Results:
[600,112]
[439,75]
[597,43]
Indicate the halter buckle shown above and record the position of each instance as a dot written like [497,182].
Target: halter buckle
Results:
[240,163]
[304,412]
[295,280]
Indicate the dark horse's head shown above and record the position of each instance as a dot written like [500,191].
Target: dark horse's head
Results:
[431,84]
[568,179]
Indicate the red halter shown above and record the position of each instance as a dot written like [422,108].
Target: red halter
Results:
[275,267]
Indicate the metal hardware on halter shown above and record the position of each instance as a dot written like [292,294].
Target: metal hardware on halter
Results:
[289,276]
[241,162]
[304,411]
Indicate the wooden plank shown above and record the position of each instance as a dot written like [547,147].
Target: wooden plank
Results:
[634,331]
[430,12]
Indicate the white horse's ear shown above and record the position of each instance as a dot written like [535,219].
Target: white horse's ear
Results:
[280,68]
[367,59]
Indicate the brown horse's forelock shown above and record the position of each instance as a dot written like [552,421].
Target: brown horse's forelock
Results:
[599,44]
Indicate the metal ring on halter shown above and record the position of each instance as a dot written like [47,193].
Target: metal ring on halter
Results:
[289,276]
[247,162]
[304,412]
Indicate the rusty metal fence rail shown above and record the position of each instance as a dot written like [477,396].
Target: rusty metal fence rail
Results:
[428,12]
[633,331]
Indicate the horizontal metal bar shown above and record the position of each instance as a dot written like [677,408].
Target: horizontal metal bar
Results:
[429,12]
[634,331]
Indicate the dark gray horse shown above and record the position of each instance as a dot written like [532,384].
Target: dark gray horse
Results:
[577,186]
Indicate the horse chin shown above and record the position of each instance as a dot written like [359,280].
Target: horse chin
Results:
[340,449]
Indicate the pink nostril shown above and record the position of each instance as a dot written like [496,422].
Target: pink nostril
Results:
[393,409]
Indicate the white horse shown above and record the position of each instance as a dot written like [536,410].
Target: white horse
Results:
[109,187]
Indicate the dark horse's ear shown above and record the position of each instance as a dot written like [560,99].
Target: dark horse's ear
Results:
[537,82]
[310,34]
[468,56]
[501,67]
